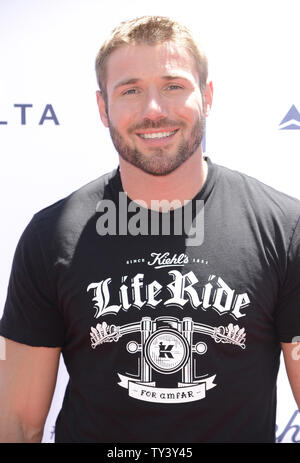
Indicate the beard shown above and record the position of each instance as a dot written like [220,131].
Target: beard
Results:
[158,162]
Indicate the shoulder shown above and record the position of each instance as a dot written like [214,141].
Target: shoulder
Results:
[254,194]
[56,229]
[76,208]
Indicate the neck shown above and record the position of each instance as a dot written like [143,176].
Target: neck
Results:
[181,185]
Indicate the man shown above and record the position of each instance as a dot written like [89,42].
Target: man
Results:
[167,336]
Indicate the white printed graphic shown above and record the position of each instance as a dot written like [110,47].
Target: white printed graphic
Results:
[167,346]
[215,295]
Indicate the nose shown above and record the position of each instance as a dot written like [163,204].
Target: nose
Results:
[154,107]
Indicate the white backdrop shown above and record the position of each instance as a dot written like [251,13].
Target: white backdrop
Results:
[51,138]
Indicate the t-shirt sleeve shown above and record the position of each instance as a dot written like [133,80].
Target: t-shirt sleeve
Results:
[31,315]
[288,307]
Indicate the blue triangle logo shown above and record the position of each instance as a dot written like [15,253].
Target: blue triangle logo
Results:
[291,120]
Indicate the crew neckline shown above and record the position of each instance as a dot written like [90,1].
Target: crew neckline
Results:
[202,194]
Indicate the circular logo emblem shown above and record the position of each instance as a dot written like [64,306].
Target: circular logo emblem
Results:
[166,351]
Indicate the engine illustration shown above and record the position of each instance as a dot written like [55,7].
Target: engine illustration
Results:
[167,346]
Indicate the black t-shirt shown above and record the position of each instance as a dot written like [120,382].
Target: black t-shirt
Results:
[164,340]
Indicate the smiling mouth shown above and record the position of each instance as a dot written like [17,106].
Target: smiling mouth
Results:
[157,135]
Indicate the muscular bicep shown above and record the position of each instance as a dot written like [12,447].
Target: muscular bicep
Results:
[27,382]
[291,354]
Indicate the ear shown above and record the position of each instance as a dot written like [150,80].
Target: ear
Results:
[102,108]
[208,98]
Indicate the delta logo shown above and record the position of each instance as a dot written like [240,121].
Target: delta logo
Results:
[291,120]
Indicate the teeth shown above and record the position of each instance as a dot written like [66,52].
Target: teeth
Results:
[157,135]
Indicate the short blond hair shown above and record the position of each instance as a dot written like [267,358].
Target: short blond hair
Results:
[149,30]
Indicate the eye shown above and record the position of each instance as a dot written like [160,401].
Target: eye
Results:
[174,87]
[131,91]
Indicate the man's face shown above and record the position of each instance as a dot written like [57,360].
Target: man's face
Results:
[155,110]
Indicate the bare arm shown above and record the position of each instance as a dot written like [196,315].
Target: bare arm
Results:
[27,382]
[291,354]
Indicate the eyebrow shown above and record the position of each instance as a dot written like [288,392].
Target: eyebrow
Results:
[133,81]
[173,77]
[124,82]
